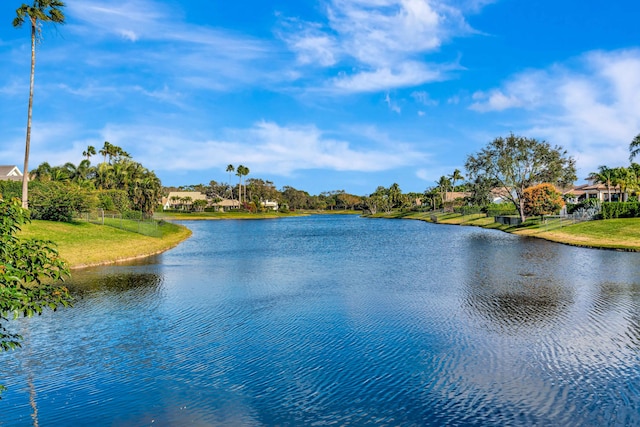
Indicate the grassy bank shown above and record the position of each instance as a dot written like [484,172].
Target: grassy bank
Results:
[619,234]
[82,244]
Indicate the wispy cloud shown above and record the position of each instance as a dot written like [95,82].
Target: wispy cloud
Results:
[393,106]
[154,36]
[381,41]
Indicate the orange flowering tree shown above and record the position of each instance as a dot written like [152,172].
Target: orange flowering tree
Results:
[542,199]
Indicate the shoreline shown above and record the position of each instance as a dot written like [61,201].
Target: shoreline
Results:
[83,245]
[621,234]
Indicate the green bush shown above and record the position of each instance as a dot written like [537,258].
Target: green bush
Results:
[620,210]
[57,201]
[113,200]
[585,204]
[11,189]
[500,209]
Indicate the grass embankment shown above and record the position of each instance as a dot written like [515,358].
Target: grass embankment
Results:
[82,244]
[619,234]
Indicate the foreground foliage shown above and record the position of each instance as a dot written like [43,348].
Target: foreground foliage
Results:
[28,269]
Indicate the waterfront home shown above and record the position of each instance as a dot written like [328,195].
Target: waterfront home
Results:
[270,204]
[597,191]
[226,205]
[10,173]
[182,199]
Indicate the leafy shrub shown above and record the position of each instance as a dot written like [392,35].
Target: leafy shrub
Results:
[500,209]
[113,200]
[585,204]
[620,210]
[11,189]
[57,201]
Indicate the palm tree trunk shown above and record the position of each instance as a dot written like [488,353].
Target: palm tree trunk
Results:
[25,171]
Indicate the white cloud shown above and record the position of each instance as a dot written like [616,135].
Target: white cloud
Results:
[385,40]
[266,148]
[405,75]
[588,105]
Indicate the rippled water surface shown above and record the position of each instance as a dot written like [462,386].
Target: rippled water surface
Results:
[339,320]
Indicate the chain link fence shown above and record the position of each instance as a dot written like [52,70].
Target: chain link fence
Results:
[136,222]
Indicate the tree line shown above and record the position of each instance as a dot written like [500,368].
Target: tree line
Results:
[117,183]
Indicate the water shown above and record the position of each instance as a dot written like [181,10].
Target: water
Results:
[339,320]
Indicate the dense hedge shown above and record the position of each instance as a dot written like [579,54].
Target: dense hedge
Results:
[585,204]
[113,200]
[11,189]
[500,209]
[620,210]
[58,201]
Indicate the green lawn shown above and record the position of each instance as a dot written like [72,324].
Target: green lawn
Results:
[622,234]
[82,244]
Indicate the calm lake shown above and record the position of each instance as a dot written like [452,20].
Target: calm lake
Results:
[338,320]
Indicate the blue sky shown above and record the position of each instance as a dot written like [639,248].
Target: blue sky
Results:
[323,94]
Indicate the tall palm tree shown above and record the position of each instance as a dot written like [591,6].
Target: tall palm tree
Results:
[39,11]
[231,170]
[455,176]
[604,176]
[245,172]
[241,171]
[622,180]
[443,186]
[106,150]
[90,151]
[634,148]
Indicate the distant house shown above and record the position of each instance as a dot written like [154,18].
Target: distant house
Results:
[182,199]
[226,205]
[10,173]
[270,204]
[594,190]
[452,196]
[501,195]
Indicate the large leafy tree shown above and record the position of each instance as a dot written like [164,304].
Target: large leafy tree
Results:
[27,270]
[516,163]
[36,13]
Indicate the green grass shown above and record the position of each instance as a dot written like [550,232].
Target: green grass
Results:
[621,234]
[82,244]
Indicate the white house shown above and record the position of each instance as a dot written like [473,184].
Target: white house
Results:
[10,173]
[182,199]
[598,191]
[270,204]
[226,205]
